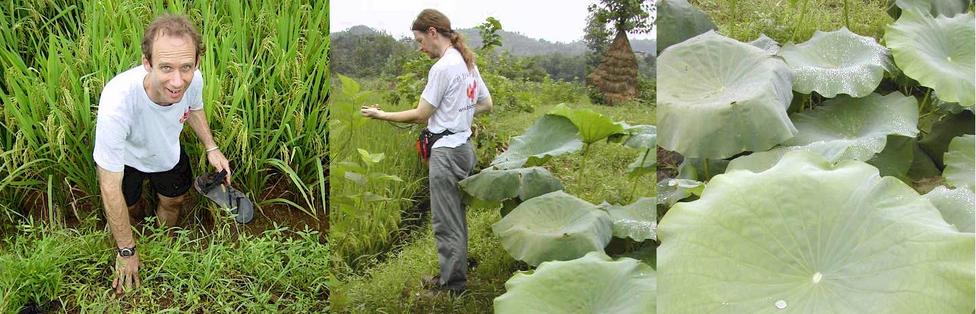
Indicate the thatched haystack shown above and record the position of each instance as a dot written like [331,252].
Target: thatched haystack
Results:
[616,76]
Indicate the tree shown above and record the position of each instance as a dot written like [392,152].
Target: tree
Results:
[489,34]
[616,74]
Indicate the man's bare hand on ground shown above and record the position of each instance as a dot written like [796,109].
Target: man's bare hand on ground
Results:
[126,273]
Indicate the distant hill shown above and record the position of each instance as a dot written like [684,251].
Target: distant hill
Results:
[515,43]
[361,51]
[521,45]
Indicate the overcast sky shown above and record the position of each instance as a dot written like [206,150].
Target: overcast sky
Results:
[561,21]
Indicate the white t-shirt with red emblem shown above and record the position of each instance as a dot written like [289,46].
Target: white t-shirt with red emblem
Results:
[453,91]
[133,130]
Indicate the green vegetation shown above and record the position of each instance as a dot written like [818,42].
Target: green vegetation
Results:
[794,157]
[392,283]
[794,20]
[53,269]
[266,73]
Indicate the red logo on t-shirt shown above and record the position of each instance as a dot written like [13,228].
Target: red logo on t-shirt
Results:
[471,89]
[186,114]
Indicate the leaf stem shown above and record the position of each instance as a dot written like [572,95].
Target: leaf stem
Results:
[633,191]
[582,165]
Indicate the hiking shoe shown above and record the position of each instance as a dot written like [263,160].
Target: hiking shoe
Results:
[434,287]
[212,186]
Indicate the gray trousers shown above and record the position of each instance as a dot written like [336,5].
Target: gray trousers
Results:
[448,166]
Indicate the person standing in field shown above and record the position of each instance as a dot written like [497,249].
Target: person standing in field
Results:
[454,93]
[141,114]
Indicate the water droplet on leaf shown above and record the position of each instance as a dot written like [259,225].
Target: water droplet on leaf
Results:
[780,304]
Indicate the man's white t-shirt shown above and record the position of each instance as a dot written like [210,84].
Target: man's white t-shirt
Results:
[453,91]
[133,130]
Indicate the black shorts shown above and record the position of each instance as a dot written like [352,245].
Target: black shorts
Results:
[170,183]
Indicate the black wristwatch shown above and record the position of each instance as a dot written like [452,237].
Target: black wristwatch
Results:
[127,251]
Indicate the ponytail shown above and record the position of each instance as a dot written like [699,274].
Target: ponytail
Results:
[458,42]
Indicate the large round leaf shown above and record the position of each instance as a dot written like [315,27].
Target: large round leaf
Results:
[934,7]
[718,97]
[677,21]
[591,284]
[855,128]
[500,185]
[549,136]
[937,52]
[555,226]
[640,136]
[959,170]
[844,128]
[592,125]
[838,62]
[809,237]
[958,206]
[637,221]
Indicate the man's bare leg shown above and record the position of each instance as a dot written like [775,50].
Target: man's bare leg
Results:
[169,209]
[136,213]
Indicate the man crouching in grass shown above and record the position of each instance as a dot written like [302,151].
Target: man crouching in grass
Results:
[141,114]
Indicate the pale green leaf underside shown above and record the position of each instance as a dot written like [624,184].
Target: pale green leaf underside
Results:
[718,97]
[637,221]
[549,136]
[500,185]
[670,191]
[837,62]
[554,226]
[593,283]
[937,52]
[641,136]
[810,237]
[960,166]
[956,205]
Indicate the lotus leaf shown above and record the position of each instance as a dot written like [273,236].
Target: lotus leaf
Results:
[718,97]
[678,21]
[844,128]
[937,52]
[806,236]
[837,62]
[549,136]
[637,221]
[959,170]
[592,125]
[555,226]
[593,283]
[670,191]
[933,7]
[641,136]
[957,206]
[500,185]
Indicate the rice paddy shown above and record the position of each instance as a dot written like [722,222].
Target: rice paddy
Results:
[264,64]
